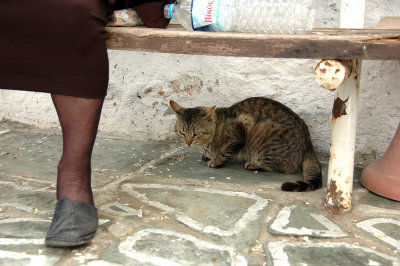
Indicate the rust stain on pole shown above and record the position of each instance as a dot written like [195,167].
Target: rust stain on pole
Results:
[337,203]
[332,156]
[339,108]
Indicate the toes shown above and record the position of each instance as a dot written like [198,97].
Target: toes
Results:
[250,167]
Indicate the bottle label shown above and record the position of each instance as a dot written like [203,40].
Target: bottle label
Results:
[211,15]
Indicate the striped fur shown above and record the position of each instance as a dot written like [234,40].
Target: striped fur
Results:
[265,133]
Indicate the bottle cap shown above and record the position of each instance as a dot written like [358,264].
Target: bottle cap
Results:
[169,11]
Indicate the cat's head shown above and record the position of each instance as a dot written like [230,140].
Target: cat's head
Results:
[196,126]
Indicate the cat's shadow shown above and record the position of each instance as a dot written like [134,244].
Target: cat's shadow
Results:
[191,166]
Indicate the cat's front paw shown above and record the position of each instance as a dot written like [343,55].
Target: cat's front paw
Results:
[213,164]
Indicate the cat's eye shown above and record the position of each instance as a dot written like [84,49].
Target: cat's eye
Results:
[182,133]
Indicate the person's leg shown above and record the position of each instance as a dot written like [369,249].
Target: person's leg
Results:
[75,218]
[79,119]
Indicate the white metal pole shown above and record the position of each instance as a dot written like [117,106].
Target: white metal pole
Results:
[344,121]
[342,150]
[352,14]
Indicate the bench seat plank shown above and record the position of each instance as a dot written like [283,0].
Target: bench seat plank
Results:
[371,44]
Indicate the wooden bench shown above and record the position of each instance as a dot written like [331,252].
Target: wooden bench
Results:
[346,46]
[368,44]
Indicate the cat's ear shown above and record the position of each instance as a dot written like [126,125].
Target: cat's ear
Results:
[210,110]
[176,107]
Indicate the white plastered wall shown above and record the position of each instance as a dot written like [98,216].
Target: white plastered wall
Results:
[142,84]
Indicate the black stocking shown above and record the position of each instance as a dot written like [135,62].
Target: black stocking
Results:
[79,118]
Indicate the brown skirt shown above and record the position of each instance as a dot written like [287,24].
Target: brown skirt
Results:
[55,46]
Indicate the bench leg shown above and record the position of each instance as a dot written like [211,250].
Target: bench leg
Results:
[342,146]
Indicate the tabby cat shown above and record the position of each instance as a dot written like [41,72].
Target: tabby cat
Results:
[265,133]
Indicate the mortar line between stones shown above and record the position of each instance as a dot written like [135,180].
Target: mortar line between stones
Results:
[31,179]
[142,169]
[4,131]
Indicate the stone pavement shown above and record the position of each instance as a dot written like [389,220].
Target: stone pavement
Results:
[159,204]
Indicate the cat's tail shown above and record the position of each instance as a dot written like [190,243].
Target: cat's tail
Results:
[312,175]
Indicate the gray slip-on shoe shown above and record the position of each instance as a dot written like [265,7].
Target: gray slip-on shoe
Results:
[74,224]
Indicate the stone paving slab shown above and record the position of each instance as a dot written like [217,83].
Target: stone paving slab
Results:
[153,246]
[298,220]
[335,253]
[159,204]
[111,159]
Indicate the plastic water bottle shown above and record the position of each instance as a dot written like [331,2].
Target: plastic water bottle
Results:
[251,16]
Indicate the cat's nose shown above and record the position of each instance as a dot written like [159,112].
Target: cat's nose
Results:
[188,141]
